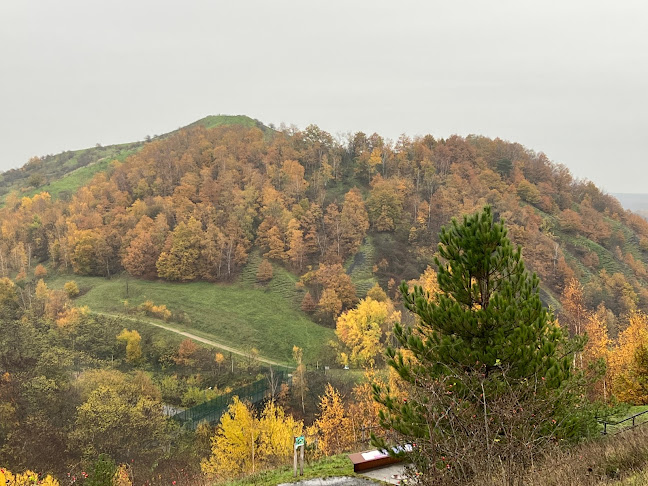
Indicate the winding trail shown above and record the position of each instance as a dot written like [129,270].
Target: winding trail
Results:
[203,340]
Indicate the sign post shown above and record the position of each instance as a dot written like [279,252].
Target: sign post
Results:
[300,443]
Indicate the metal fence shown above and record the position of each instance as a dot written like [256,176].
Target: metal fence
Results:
[212,410]
[614,426]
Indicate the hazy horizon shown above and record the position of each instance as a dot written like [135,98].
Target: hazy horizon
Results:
[564,79]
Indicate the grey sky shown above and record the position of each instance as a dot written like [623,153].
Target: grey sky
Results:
[569,78]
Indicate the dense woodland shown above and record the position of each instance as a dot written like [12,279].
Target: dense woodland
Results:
[195,204]
[200,204]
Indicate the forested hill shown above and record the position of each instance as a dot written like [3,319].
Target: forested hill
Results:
[198,203]
[62,174]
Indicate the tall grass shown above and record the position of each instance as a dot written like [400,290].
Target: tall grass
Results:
[608,460]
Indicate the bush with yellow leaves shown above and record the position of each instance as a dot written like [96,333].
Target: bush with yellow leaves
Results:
[150,309]
[27,478]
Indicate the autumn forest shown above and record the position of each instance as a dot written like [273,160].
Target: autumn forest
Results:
[312,235]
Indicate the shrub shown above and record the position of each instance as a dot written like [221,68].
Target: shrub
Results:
[264,274]
[40,271]
[152,310]
[71,289]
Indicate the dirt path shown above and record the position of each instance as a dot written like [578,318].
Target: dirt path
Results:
[203,340]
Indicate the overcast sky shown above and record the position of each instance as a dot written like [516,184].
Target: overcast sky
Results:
[568,78]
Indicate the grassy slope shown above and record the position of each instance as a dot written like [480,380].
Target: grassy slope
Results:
[240,314]
[64,173]
[72,181]
[360,267]
[325,467]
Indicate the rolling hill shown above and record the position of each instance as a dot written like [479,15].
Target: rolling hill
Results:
[188,218]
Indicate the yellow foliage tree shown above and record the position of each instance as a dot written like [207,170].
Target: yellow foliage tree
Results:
[336,432]
[220,359]
[122,476]
[277,433]
[623,358]
[133,344]
[364,411]
[597,348]
[42,294]
[71,316]
[362,331]
[71,289]
[296,248]
[28,478]
[299,376]
[377,293]
[633,382]
[244,443]
[574,314]
[428,281]
[329,304]
[235,445]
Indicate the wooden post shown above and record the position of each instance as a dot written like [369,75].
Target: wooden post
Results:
[298,443]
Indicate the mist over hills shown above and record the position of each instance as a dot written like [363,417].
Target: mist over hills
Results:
[633,202]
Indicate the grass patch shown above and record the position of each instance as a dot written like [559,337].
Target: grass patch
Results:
[63,174]
[212,121]
[237,315]
[640,479]
[283,282]
[326,467]
[71,182]
[360,267]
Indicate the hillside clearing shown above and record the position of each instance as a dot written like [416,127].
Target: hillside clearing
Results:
[236,315]
[177,330]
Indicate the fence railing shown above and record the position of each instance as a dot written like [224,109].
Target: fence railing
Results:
[212,410]
[631,421]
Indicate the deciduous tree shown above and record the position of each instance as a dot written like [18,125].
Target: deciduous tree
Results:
[336,433]
[264,273]
[300,386]
[363,331]
[181,258]
[133,346]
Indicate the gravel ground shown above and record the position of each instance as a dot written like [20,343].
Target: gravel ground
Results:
[342,481]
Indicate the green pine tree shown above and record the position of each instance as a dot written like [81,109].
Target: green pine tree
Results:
[486,371]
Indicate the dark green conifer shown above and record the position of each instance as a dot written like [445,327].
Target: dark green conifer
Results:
[483,355]
[489,311]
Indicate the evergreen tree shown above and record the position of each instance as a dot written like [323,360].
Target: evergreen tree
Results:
[486,369]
